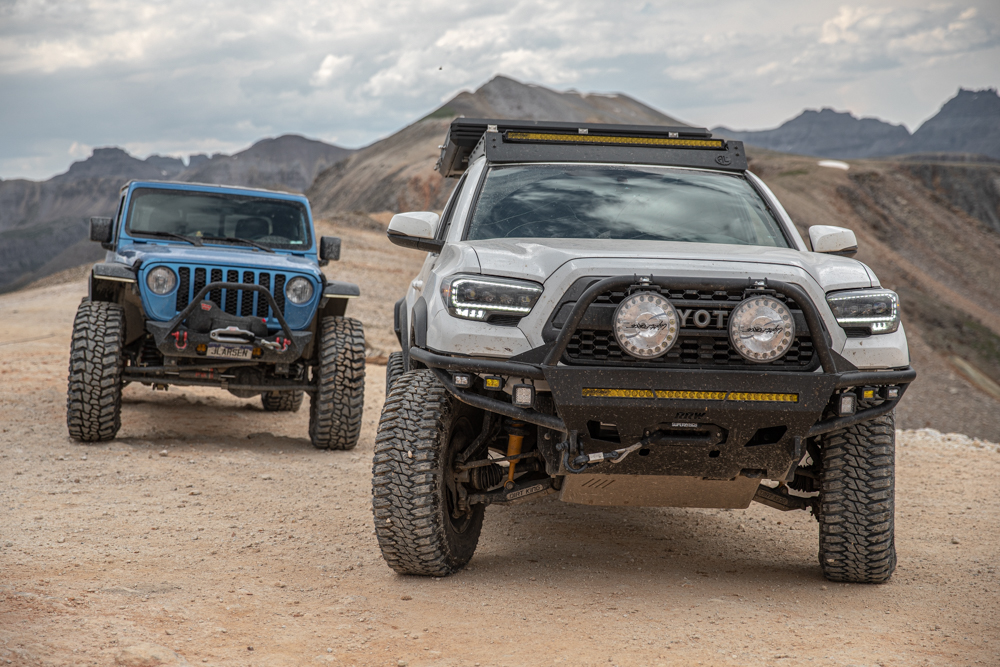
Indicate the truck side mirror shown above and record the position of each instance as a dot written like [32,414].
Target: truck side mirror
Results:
[415,230]
[329,249]
[102,230]
[833,240]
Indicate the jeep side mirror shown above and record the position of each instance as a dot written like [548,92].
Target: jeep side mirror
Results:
[102,230]
[415,230]
[329,249]
[833,240]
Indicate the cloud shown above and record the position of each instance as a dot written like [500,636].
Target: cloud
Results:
[331,67]
[179,73]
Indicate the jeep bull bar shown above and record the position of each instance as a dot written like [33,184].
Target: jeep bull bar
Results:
[171,341]
[627,395]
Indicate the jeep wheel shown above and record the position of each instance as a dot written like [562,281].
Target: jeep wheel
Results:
[281,401]
[335,408]
[393,370]
[94,394]
[857,502]
[419,527]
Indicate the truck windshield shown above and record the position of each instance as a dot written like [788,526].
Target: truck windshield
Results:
[218,217]
[635,203]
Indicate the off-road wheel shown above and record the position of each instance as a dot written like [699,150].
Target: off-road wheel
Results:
[857,502]
[94,393]
[336,407]
[419,527]
[281,401]
[393,370]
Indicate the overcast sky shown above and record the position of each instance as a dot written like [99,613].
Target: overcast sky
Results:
[177,77]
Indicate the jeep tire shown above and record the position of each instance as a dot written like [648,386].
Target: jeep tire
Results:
[281,401]
[94,392]
[336,407]
[418,527]
[394,368]
[857,502]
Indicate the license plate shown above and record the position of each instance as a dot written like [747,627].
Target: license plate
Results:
[229,351]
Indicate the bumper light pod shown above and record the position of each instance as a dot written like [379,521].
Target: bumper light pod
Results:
[523,395]
[761,329]
[847,404]
[646,325]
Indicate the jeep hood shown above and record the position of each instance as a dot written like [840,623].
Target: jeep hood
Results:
[538,259]
[215,255]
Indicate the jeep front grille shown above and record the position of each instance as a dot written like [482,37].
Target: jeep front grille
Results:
[594,343]
[190,280]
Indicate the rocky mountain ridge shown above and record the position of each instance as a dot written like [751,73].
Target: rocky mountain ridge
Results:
[968,123]
[43,224]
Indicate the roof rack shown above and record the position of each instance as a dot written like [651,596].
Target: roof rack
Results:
[536,141]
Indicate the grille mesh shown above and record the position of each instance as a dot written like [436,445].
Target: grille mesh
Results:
[183,287]
[695,348]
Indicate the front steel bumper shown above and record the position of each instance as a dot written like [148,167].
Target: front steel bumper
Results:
[705,422]
[172,340]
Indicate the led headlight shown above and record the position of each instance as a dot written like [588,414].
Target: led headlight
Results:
[161,280]
[476,298]
[646,325]
[874,309]
[761,329]
[299,290]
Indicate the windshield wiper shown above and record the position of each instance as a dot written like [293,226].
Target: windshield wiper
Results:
[190,239]
[237,240]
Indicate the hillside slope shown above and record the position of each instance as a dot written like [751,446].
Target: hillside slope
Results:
[398,174]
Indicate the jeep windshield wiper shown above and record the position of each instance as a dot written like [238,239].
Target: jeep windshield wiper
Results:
[190,239]
[236,240]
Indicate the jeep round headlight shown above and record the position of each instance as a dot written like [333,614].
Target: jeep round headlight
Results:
[299,290]
[761,329]
[161,280]
[646,325]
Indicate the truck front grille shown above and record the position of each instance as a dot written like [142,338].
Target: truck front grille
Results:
[190,280]
[594,343]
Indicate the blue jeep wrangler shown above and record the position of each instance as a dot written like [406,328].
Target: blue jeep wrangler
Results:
[216,287]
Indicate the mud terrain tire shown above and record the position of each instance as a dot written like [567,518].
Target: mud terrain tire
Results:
[857,502]
[421,429]
[94,393]
[281,401]
[393,370]
[336,407]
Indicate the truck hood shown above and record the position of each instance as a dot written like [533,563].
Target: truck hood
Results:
[214,256]
[538,259]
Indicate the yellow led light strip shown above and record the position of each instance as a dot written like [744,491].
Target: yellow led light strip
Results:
[604,139]
[594,392]
[764,398]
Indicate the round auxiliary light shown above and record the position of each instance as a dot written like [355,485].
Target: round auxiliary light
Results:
[646,325]
[161,280]
[299,290]
[761,329]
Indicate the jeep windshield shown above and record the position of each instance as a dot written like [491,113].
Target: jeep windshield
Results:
[635,203]
[218,218]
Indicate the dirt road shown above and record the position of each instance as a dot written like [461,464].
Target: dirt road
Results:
[211,532]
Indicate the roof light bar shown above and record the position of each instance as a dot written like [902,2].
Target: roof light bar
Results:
[553,137]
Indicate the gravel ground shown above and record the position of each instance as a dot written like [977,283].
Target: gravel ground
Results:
[211,532]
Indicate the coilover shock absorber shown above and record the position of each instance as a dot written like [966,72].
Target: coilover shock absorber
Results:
[515,438]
